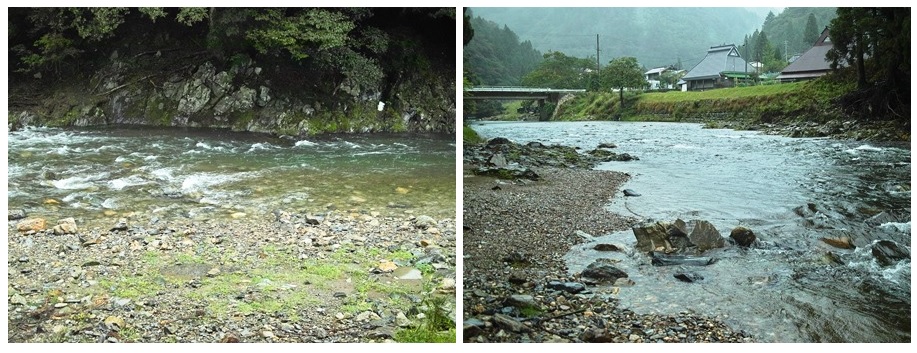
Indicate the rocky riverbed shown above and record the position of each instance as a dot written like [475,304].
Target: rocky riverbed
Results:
[516,286]
[339,276]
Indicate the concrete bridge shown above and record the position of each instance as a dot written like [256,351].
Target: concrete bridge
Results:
[520,93]
[517,93]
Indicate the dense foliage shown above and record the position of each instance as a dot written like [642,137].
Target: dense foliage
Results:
[655,36]
[496,56]
[356,47]
[562,72]
[875,41]
[620,74]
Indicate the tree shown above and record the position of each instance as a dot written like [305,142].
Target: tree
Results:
[811,32]
[883,35]
[768,20]
[671,77]
[560,71]
[622,73]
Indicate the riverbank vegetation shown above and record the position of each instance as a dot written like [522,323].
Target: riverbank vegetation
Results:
[283,70]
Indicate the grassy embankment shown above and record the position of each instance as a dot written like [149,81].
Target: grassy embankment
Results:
[777,103]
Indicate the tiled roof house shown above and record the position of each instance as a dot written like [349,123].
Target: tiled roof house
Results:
[812,63]
[720,68]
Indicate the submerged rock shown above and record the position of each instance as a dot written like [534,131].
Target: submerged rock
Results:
[743,236]
[601,272]
[689,277]
[16,214]
[888,253]
[662,259]
[630,193]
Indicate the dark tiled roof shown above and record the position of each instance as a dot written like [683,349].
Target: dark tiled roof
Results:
[716,61]
[812,60]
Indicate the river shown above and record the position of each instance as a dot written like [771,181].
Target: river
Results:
[99,174]
[790,192]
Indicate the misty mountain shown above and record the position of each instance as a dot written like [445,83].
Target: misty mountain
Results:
[655,36]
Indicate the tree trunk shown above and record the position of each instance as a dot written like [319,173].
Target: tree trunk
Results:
[860,62]
[621,91]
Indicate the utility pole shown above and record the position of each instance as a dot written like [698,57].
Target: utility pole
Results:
[597,62]
[786,54]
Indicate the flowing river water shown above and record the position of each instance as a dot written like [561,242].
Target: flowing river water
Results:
[791,287]
[99,174]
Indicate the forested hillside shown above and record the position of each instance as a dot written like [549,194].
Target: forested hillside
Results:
[496,56]
[655,36]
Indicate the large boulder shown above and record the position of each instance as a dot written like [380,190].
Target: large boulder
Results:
[31,224]
[705,236]
[65,226]
[652,236]
[743,236]
[602,272]
[888,253]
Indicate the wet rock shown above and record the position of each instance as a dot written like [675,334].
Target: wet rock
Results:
[313,219]
[630,193]
[651,236]
[742,236]
[16,214]
[121,225]
[806,211]
[498,141]
[65,226]
[705,236]
[534,144]
[521,301]
[114,323]
[511,172]
[424,222]
[569,287]
[607,145]
[689,277]
[663,259]
[407,273]
[595,335]
[606,247]
[888,217]
[839,242]
[497,160]
[888,253]
[472,327]
[31,224]
[601,272]
[509,323]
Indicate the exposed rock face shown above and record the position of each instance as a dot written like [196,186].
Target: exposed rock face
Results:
[743,236]
[237,95]
[601,272]
[888,253]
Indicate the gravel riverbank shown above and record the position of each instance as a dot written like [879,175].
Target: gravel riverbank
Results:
[516,286]
[287,277]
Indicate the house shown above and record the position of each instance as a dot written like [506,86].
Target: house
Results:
[654,77]
[720,68]
[812,63]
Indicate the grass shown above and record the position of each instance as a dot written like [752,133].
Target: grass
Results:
[435,327]
[470,136]
[722,93]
